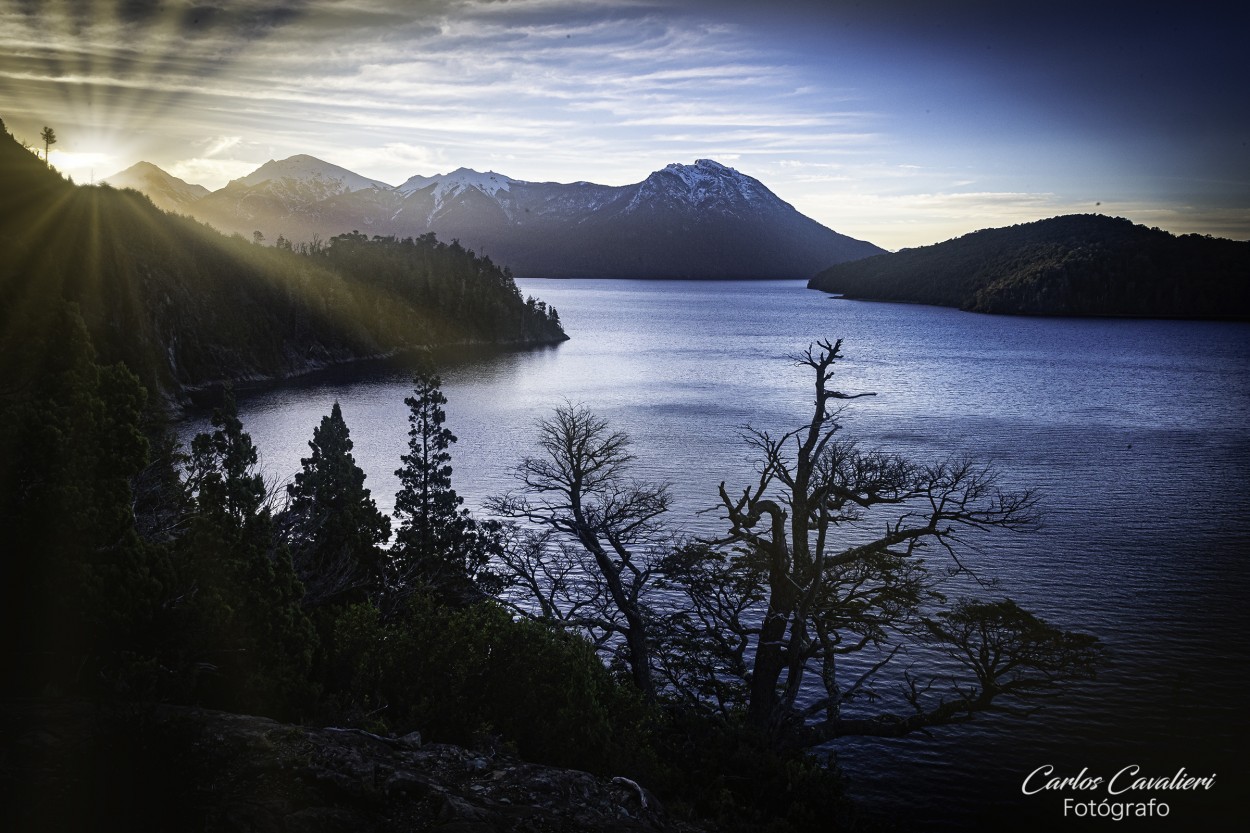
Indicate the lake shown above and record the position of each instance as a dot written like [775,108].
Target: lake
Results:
[1133,431]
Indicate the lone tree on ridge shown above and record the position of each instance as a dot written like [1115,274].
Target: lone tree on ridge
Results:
[49,139]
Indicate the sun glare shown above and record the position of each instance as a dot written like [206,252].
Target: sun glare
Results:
[86,166]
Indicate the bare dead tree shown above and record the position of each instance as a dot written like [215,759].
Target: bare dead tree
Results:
[825,557]
[555,579]
[606,530]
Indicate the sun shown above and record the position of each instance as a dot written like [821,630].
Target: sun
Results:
[87,165]
[88,155]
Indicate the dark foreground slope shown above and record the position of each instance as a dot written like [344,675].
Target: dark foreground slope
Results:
[1071,265]
[184,306]
[73,766]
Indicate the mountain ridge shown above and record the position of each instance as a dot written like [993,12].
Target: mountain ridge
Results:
[165,190]
[307,168]
[705,220]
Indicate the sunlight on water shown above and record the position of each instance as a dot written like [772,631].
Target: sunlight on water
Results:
[1133,430]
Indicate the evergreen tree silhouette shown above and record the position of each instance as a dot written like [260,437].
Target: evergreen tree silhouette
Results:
[336,529]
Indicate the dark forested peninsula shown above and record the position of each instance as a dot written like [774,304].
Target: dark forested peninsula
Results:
[183,306]
[1084,264]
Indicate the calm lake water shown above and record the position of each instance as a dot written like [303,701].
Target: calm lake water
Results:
[1134,431]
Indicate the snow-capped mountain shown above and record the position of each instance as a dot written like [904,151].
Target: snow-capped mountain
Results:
[164,189]
[309,171]
[489,183]
[704,220]
[705,185]
[297,185]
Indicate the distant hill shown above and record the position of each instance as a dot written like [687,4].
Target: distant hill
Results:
[166,191]
[184,306]
[1085,264]
[704,220]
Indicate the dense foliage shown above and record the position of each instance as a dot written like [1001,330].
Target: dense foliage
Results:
[1072,265]
[81,589]
[184,306]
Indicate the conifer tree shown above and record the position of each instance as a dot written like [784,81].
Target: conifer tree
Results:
[336,529]
[49,139]
[222,469]
[438,542]
[244,623]
[78,587]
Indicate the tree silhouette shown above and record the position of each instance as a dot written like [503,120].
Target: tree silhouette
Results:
[608,529]
[241,613]
[49,139]
[335,528]
[438,543]
[825,561]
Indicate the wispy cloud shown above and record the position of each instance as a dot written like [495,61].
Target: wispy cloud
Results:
[202,169]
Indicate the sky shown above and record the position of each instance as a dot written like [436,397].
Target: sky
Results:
[898,121]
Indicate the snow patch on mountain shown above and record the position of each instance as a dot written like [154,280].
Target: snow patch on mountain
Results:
[458,181]
[705,185]
[702,174]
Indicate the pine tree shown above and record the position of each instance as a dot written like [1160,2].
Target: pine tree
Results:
[49,139]
[335,526]
[222,469]
[438,542]
[242,616]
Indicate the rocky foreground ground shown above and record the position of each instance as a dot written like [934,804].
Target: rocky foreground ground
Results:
[77,766]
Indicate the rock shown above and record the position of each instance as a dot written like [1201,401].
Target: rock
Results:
[70,765]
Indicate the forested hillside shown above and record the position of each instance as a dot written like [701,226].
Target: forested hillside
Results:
[1071,265]
[182,305]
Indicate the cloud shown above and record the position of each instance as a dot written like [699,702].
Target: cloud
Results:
[221,144]
[211,173]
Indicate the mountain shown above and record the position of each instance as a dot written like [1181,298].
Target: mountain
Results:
[297,189]
[165,190]
[1082,264]
[704,220]
[449,185]
[318,179]
[185,307]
